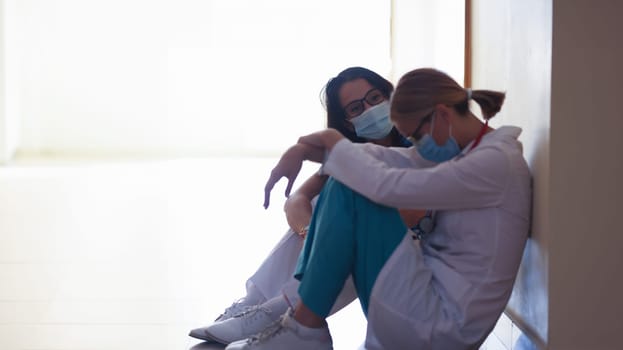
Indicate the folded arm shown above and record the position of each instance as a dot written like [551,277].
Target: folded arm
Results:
[312,147]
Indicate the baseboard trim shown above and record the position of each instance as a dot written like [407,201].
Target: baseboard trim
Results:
[530,332]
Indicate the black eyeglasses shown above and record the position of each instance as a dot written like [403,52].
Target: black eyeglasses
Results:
[415,135]
[355,108]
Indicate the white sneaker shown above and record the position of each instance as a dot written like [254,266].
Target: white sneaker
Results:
[238,307]
[287,334]
[241,326]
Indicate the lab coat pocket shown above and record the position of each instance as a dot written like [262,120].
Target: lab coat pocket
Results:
[452,287]
[403,305]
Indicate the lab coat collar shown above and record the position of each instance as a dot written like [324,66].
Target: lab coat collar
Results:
[501,132]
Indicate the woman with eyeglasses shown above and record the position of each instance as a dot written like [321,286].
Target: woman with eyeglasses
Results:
[357,104]
[443,289]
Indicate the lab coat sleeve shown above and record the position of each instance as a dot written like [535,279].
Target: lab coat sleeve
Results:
[476,180]
[399,157]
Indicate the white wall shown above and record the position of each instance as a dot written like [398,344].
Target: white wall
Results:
[428,34]
[184,76]
[9,118]
[3,120]
[512,52]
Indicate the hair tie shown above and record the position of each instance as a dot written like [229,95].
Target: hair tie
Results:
[469,93]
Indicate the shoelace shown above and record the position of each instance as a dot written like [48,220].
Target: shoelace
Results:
[252,312]
[272,330]
[233,310]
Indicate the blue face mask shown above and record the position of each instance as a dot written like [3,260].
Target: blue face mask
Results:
[430,150]
[373,123]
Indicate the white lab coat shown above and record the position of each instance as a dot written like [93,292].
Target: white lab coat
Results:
[447,291]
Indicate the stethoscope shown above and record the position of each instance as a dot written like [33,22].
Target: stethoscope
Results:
[426,224]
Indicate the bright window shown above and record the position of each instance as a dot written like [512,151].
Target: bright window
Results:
[200,77]
[184,77]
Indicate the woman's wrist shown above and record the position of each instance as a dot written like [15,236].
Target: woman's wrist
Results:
[303,230]
[311,152]
[331,137]
[319,143]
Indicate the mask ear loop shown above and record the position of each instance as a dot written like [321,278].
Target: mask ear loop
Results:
[450,132]
[449,129]
[432,123]
[432,126]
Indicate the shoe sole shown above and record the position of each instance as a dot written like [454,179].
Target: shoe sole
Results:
[201,334]
[217,339]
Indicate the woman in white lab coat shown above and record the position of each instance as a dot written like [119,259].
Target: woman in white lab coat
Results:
[357,104]
[441,284]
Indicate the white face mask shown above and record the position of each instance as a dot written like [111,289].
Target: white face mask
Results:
[373,123]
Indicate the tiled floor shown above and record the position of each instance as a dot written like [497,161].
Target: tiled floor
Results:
[107,256]
[507,336]
[132,255]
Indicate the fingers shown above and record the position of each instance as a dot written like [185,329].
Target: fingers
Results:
[266,199]
[268,188]
[289,187]
[288,166]
[272,180]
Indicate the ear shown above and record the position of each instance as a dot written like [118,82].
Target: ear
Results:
[443,111]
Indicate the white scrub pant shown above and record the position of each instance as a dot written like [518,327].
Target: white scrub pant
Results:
[275,276]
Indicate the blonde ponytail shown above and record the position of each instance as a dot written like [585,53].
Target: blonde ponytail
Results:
[420,90]
[490,102]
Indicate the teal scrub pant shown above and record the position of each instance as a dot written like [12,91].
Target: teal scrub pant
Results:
[348,234]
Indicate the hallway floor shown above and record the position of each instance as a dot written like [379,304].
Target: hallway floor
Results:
[132,255]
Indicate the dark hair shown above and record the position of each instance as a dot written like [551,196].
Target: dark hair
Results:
[336,118]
